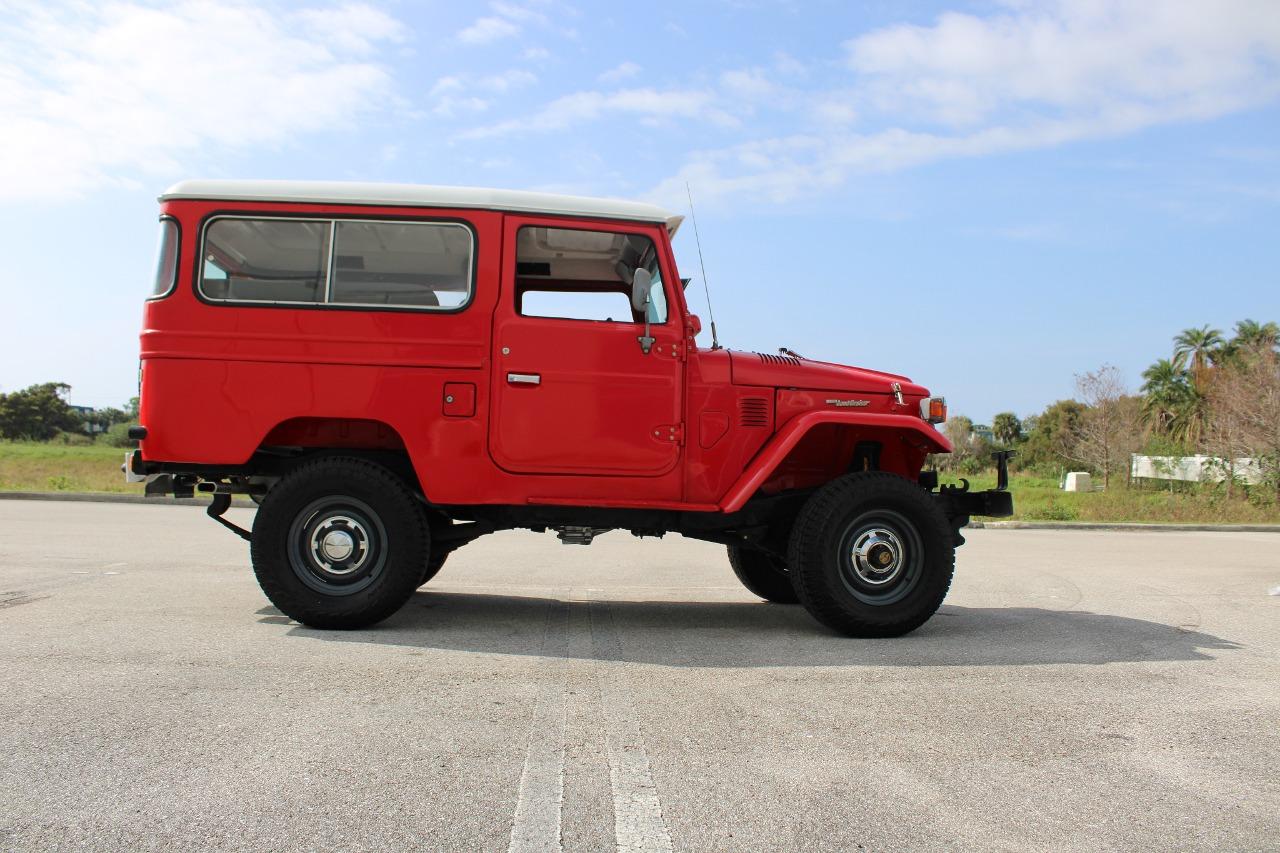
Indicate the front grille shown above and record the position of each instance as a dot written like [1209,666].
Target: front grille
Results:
[753,412]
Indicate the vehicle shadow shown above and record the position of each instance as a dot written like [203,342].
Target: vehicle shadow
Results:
[756,634]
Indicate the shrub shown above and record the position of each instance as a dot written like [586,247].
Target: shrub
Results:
[1053,511]
[117,435]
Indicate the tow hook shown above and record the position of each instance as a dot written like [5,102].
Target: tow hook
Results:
[220,503]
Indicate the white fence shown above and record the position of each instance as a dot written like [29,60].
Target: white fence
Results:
[1192,469]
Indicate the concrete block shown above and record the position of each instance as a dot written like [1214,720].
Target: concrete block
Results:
[1078,481]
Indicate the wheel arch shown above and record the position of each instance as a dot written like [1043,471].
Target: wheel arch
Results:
[368,438]
[789,460]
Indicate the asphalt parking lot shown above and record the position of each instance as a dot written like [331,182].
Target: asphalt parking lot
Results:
[1079,690]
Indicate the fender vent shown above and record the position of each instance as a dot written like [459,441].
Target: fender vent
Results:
[778,359]
[753,412]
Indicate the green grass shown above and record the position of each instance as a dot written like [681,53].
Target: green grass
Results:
[1040,499]
[29,466]
[54,467]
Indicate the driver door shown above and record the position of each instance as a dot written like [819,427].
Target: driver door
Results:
[574,392]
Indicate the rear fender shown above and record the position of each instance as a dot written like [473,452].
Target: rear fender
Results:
[910,428]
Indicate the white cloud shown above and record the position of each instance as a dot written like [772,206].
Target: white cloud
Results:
[649,105]
[488,29]
[1036,75]
[622,71]
[536,54]
[748,84]
[1073,57]
[507,81]
[454,95]
[514,12]
[356,27]
[95,96]
[510,19]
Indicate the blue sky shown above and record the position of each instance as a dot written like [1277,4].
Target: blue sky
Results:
[989,197]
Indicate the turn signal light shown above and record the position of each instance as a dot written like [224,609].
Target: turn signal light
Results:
[934,409]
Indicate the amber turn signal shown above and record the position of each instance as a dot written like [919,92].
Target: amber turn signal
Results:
[934,409]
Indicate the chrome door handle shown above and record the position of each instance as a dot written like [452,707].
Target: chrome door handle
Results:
[524,378]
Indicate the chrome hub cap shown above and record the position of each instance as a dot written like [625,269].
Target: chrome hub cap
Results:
[878,556]
[339,544]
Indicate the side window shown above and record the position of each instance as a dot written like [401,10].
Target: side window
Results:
[402,263]
[166,259]
[577,305]
[576,274]
[356,263]
[266,260]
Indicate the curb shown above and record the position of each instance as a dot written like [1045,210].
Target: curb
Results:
[115,498]
[1126,525]
[123,498]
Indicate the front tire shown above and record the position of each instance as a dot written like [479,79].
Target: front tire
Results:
[871,555]
[339,543]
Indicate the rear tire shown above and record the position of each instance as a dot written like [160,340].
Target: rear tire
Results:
[871,555]
[339,543]
[762,574]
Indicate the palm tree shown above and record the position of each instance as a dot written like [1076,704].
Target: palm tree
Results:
[1165,392]
[1255,335]
[1196,350]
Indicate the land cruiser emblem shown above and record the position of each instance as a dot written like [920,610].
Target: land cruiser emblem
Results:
[848,404]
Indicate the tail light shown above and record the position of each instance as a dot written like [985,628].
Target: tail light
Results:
[934,409]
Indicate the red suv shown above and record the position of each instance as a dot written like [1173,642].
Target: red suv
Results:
[393,371]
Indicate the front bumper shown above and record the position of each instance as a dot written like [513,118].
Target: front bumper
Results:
[960,503]
[992,502]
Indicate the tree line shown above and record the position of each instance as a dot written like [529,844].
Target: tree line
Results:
[1215,395]
[42,413]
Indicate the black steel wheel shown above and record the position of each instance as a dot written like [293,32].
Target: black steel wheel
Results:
[871,555]
[339,542]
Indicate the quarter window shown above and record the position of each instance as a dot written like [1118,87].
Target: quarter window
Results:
[422,265]
[166,259]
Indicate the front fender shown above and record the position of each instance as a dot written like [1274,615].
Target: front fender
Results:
[777,448]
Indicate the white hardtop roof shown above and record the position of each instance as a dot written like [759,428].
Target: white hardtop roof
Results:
[414,195]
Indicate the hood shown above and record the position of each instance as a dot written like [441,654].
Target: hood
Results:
[784,371]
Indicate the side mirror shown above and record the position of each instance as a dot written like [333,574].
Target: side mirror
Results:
[641,284]
[695,325]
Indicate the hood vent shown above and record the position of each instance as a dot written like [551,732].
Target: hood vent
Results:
[753,411]
[778,359]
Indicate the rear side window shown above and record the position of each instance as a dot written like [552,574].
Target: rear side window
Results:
[266,260]
[166,259]
[355,263]
[402,263]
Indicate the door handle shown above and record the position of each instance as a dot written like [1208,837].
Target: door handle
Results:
[524,378]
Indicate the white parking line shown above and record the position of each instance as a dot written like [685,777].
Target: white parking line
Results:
[637,810]
[536,826]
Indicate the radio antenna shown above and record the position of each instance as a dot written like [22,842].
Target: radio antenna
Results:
[715,341]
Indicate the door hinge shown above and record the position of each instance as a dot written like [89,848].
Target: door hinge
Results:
[670,432]
[675,350]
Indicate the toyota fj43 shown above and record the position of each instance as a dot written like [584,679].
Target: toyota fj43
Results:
[393,371]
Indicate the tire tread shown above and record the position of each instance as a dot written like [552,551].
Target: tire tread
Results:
[813,528]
